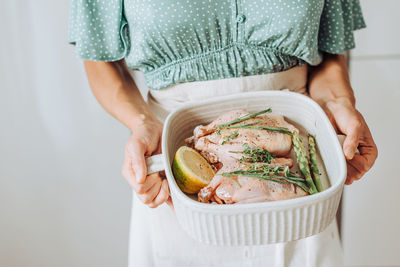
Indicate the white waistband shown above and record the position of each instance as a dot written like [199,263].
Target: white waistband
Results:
[162,102]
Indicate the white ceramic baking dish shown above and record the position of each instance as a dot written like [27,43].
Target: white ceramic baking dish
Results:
[255,223]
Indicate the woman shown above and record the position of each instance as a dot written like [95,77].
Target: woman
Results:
[192,50]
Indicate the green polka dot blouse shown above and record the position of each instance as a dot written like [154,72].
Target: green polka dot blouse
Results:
[176,41]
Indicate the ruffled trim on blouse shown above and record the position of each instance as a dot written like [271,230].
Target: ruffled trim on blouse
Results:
[235,60]
[340,18]
[99,29]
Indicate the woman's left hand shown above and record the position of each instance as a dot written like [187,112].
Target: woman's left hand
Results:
[349,121]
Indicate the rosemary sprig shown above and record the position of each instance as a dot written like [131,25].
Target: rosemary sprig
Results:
[302,185]
[242,125]
[230,137]
[236,182]
[269,171]
[274,178]
[285,171]
[271,129]
[230,125]
[229,174]
[274,129]
[243,118]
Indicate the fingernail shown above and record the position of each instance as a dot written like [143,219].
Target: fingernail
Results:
[349,153]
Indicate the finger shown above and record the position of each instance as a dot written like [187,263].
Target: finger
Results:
[136,152]
[361,163]
[368,149]
[352,174]
[127,172]
[162,196]
[129,176]
[151,194]
[351,141]
[358,166]
[151,180]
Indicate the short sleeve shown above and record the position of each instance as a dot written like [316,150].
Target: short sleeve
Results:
[340,18]
[98,29]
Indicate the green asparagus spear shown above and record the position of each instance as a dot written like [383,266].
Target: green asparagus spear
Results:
[313,163]
[302,160]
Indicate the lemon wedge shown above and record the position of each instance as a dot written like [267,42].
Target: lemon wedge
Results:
[192,172]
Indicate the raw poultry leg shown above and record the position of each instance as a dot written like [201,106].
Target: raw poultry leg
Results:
[247,189]
[226,148]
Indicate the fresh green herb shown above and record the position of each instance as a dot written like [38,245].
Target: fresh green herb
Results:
[230,137]
[272,174]
[269,170]
[253,175]
[236,182]
[243,118]
[313,163]
[271,129]
[254,154]
[230,125]
[277,170]
[302,160]
[243,125]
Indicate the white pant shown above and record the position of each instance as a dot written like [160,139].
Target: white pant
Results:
[156,238]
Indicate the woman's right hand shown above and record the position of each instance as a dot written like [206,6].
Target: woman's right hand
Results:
[145,141]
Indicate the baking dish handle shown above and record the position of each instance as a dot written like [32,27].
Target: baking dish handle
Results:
[155,163]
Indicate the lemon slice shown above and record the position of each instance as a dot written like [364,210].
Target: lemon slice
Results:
[192,172]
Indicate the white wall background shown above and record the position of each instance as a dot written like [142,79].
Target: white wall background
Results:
[63,201]
[371,213]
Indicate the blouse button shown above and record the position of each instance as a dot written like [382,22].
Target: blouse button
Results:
[240,18]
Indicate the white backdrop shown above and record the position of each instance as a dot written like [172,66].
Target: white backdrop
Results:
[63,202]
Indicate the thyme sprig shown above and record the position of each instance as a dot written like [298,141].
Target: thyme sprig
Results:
[230,137]
[254,154]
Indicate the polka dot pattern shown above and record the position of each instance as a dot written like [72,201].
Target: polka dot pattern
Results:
[99,29]
[175,41]
[338,21]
